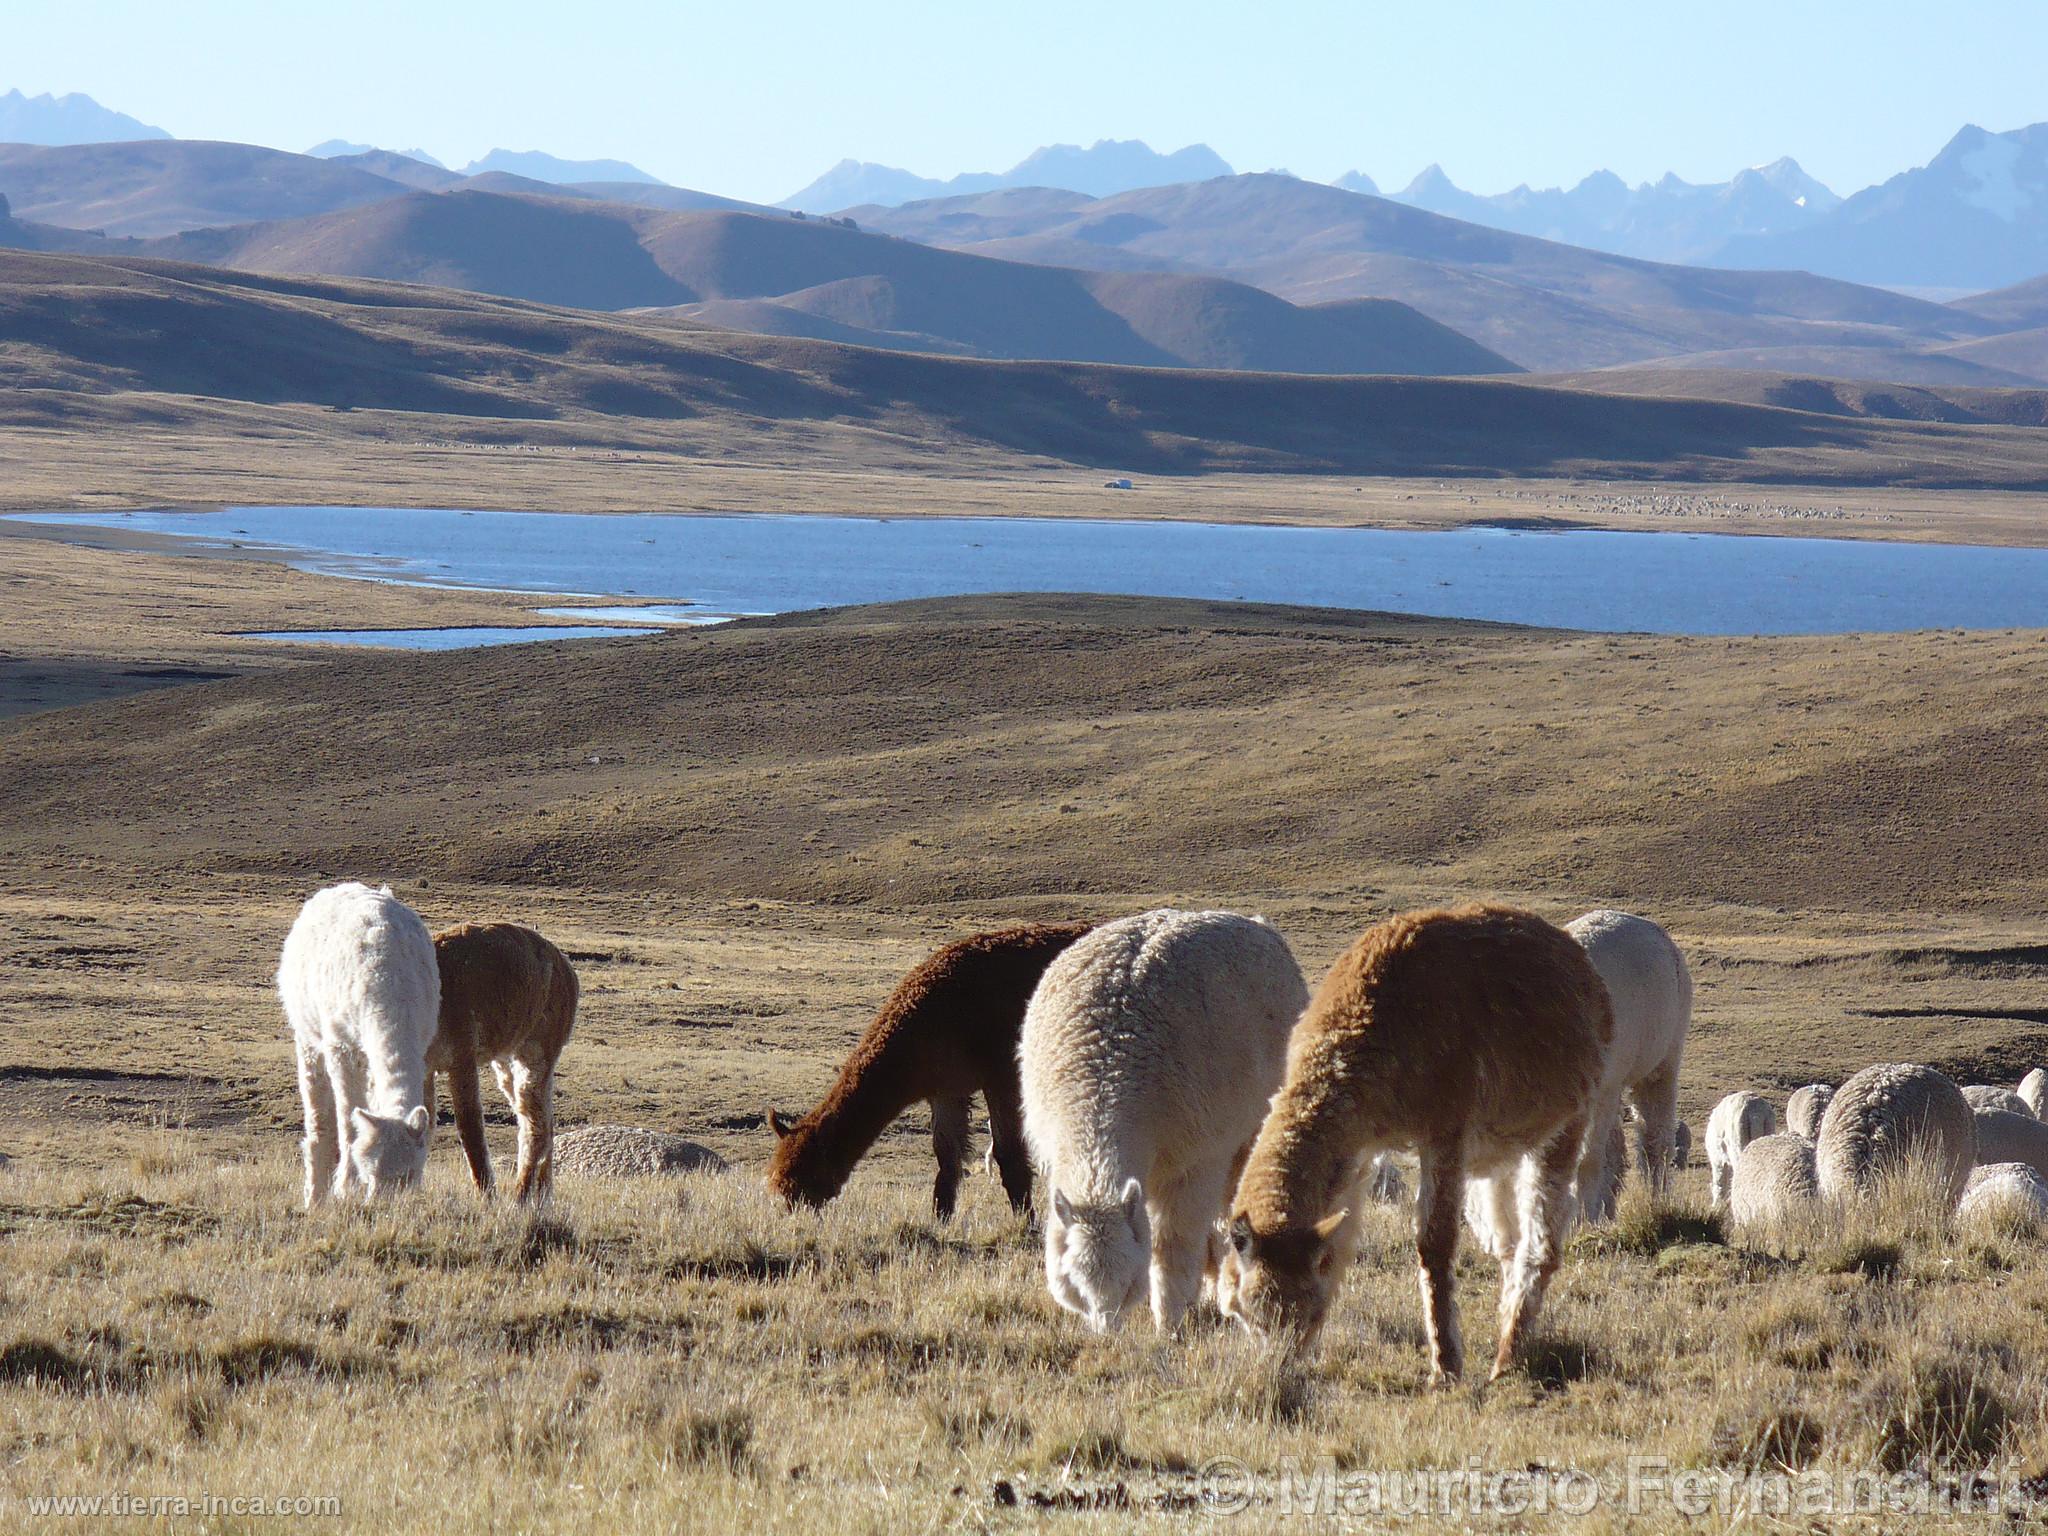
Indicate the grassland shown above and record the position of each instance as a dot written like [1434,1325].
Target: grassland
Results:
[744,837]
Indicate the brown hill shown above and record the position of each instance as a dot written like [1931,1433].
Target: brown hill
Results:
[158,186]
[1544,305]
[2024,306]
[114,338]
[788,276]
[1823,396]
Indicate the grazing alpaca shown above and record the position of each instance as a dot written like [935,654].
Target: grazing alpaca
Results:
[2034,1089]
[2013,1191]
[1148,1056]
[1804,1109]
[948,1032]
[1980,1096]
[358,982]
[2006,1137]
[630,1151]
[508,997]
[1737,1120]
[1886,1117]
[1477,1036]
[1774,1181]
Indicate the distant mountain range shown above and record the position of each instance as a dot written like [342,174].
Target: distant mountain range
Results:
[1103,169]
[70,119]
[338,149]
[531,164]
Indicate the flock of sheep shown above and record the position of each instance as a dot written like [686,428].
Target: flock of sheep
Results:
[1199,1117]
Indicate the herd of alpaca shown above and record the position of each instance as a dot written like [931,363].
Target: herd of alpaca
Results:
[1199,1118]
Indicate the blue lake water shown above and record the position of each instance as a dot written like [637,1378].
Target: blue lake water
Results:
[684,568]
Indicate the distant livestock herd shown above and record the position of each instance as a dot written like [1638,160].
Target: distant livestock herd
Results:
[1199,1117]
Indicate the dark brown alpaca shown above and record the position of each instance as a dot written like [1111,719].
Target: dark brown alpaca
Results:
[508,997]
[948,1032]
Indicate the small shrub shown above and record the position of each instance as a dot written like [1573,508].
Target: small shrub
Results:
[1778,1440]
[1943,1416]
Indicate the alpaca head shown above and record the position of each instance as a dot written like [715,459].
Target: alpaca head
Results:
[1098,1258]
[1283,1281]
[801,1171]
[388,1151]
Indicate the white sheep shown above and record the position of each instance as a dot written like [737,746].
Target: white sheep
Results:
[1737,1120]
[1997,1189]
[2034,1089]
[1651,990]
[1149,1052]
[2006,1137]
[361,987]
[1887,1117]
[1775,1181]
[1984,1096]
[1804,1109]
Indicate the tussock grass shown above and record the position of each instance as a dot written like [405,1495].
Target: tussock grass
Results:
[685,1354]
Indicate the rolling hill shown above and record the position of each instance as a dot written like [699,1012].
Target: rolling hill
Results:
[107,340]
[1546,306]
[1105,167]
[807,277]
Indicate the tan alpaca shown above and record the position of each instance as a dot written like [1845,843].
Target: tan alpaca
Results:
[1476,1036]
[508,997]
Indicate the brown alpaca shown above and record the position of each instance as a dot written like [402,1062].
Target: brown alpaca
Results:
[948,1032]
[508,997]
[1476,1036]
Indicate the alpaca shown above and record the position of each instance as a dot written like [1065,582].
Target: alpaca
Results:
[1885,1117]
[508,997]
[1681,1145]
[630,1151]
[1477,1036]
[2003,1189]
[948,1032]
[1737,1120]
[1148,1055]
[1804,1109]
[2034,1089]
[2006,1137]
[1774,1181]
[359,985]
[1981,1096]
[1490,1206]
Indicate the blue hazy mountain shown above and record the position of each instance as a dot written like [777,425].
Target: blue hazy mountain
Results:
[69,119]
[1105,168]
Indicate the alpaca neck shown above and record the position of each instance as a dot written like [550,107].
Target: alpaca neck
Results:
[838,1133]
[1303,1160]
[397,1083]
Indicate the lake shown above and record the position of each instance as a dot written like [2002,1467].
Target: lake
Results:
[687,568]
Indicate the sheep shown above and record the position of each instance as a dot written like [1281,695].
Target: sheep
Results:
[1737,1120]
[1804,1109]
[508,997]
[948,1032]
[1774,1181]
[1650,990]
[1477,1036]
[629,1151]
[1982,1096]
[2003,1136]
[1887,1116]
[359,984]
[2034,1089]
[2003,1188]
[1148,1055]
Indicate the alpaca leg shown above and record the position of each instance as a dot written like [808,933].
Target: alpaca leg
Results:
[1181,1226]
[533,1101]
[1656,1102]
[949,1145]
[322,1145]
[1597,1181]
[1439,1192]
[345,1085]
[469,1120]
[1006,1143]
[1545,1189]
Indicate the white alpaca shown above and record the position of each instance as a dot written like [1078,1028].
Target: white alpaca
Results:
[1736,1121]
[1804,1109]
[361,987]
[1887,1118]
[1148,1055]
[1983,1096]
[2034,1089]
[1774,1181]
[2013,1190]
[1651,990]
[2004,1136]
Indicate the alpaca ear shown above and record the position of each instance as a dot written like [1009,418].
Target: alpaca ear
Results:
[360,1122]
[1134,1203]
[1062,1207]
[1329,1226]
[416,1122]
[1242,1238]
[1326,1230]
[778,1125]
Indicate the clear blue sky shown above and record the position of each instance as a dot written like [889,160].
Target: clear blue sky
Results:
[755,100]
